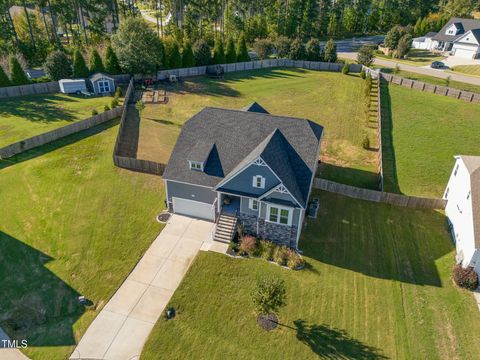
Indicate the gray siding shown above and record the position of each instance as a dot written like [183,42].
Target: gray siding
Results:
[96,88]
[242,182]
[190,192]
[244,206]
[282,197]
[262,214]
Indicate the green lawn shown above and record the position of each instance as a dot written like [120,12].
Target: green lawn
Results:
[333,100]
[377,285]
[73,225]
[26,116]
[427,131]
[415,57]
[467,69]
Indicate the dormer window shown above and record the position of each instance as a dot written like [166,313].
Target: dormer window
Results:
[258,182]
[196,165]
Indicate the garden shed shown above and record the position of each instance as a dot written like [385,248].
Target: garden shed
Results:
[102,84]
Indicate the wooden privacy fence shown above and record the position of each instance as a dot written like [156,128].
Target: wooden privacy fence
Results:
[260,64]
[31,89]
[379,133]
[42,139]
[379,196]
[434,89]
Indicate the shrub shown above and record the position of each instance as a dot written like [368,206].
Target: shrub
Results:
[266,249]
[242,52]
[17,75]
[295,261]
[218,52]
[280,255]
[263,48]
[363,74]
[269,295]
[366,55]
[94,112]
[96,63]
[366,142]
[466,278]
[111,62]
[80,69]
[447,80]
[330,51]
[106,108]
[247,244]
[282,45]
[114,103]
[297,50]
[4,80]
[188,59]
[396,70]
[118,92]
[201,52]
[140,106]
[233,246]
[368,85]
[346,69]
[55,67]
[312,50]
[230,54]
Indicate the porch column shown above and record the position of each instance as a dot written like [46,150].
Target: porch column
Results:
[219,200]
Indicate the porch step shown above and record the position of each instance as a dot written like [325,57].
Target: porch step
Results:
[225,229]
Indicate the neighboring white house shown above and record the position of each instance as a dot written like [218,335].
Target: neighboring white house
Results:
[425,42]
[463,209]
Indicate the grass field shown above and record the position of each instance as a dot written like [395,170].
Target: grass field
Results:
[333,100]
[467,69]
[377,285]
[415,57]
[73,225]
[427,131]
[26,116]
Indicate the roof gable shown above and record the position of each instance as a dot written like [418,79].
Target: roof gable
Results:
[255,107]
[471,37]
[458,23]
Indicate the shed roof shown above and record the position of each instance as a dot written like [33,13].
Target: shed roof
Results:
[99,75]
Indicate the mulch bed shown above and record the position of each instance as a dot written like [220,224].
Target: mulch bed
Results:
[267,322]
[163,217]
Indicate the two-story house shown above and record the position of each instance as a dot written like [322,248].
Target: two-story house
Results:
[246,167]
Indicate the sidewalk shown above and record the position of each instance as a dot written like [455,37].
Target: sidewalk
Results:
[124,324]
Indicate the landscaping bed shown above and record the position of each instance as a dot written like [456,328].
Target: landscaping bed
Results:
[378,285]
[27,116]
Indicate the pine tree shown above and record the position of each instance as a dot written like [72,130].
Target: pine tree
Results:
[174,57]
[201,53]
[310,15]
[417,29]
[17,75]
[312,50]
[96,63]
[332,25]
[242,52]
[297,50]
[111,62]
[80,69]
[218,52]
[187,55]
[4,80]
[330,52]
[230,55]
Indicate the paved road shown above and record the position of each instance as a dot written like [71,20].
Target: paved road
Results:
[417,69]
[123,325]
[350,45]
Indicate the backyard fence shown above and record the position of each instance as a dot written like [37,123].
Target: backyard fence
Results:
[49,136]
[31,89]
[434,89]
[379,196]
[379,134]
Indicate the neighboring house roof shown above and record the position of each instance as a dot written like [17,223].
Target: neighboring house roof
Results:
[472,163]
[430,34]
[35,73]
[476,34]
[255,107]
[463,24]
[98,76]
[289,146]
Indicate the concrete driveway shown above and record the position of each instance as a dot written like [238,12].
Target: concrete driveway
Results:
[123,325]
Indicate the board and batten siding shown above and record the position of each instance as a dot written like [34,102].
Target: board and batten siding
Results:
[190,192]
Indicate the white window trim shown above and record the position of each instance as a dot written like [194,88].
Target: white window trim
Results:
[290,214]
[255,182]
[251,202]
[194,165]
[105,84]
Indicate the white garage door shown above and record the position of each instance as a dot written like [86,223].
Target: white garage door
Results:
[193,208]
[464,53]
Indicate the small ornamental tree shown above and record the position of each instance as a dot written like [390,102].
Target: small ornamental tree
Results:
[187,55]
[269,295]
[403,46]
[201,53]
[96,63]
[55,67]
[466,278]
[80,69]
[282,45]
[230,54]
[218,52]
[242,52]
[111,62]
[330,51]
[17,75]
[297,50]
[365,55]
[346,69]
[4,80]
[312,50]
[140,106]
[263,48]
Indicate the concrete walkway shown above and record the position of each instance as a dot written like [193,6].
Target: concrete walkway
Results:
[122,327]
[419,69]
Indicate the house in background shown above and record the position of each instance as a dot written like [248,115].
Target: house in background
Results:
[246,167]
[460,37]
[463,209]
[425,42]
[102,84]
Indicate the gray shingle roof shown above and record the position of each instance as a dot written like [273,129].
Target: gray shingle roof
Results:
[200,151]
[472,164]
[255,107]
[288,145]
[466,24]
[98,76]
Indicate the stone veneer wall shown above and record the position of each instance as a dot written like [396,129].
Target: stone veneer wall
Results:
[279,234]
